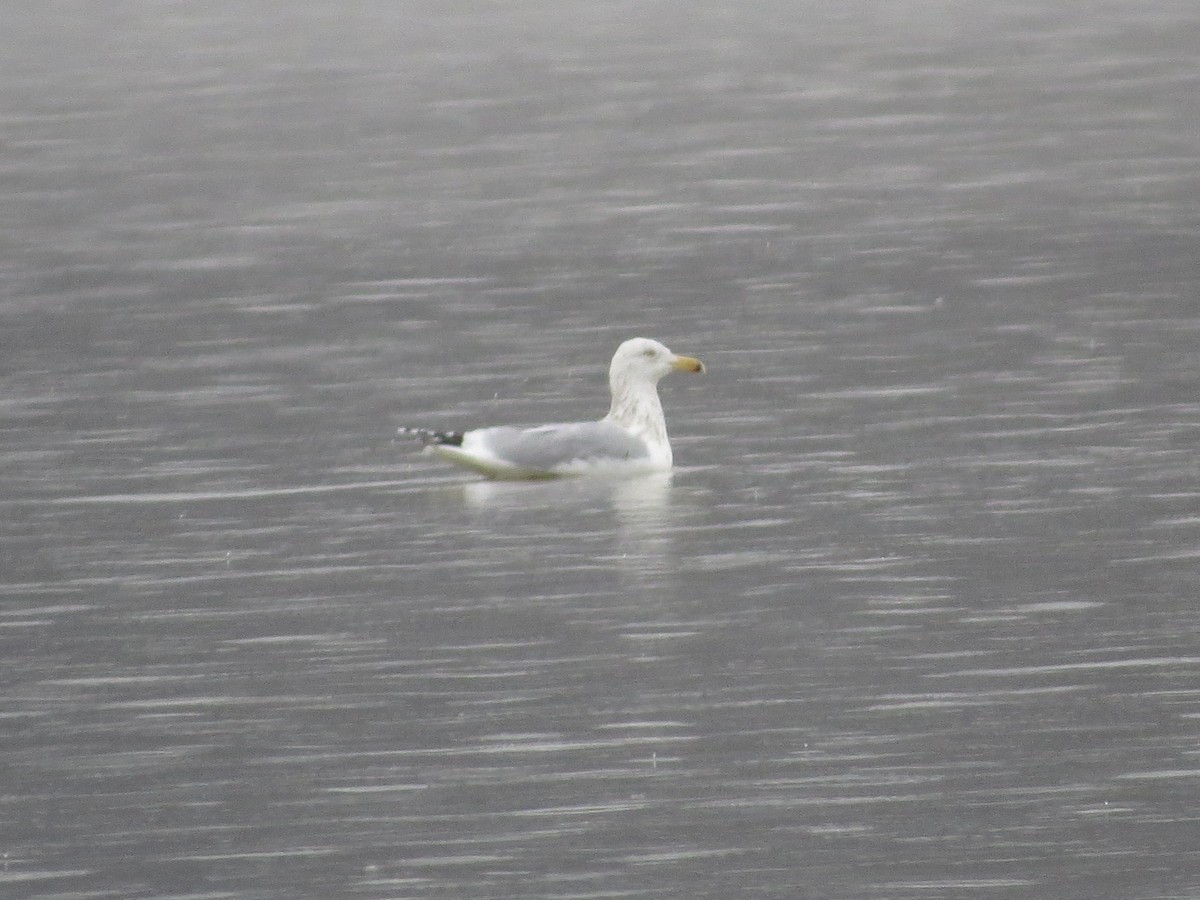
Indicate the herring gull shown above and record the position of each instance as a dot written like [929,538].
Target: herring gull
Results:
[632,438]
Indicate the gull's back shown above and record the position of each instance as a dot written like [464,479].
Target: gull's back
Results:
[548,450]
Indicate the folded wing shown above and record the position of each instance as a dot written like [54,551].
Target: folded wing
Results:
[548,449]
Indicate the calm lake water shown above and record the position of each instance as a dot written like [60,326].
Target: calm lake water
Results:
[914,617]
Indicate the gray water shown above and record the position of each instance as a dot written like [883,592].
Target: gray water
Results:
[914,617]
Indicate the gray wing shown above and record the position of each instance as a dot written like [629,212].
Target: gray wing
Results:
[547,446]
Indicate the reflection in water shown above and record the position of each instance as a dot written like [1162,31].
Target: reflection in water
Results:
[640,499]
[638,511]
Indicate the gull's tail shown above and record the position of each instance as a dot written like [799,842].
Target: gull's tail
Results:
[427,436]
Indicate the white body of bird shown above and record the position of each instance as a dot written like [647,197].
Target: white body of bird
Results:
[631,439]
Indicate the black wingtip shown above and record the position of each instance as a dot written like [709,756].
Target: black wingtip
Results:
[428,436]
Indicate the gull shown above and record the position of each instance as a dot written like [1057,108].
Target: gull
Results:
[631,439]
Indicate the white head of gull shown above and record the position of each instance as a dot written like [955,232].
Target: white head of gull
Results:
[632,438]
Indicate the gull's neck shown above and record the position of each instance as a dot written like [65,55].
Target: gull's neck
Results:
[635,406]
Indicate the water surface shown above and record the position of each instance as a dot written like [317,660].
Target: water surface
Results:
[914,615]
